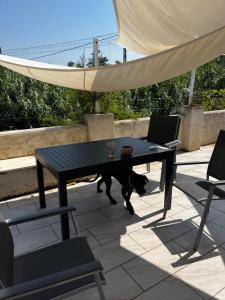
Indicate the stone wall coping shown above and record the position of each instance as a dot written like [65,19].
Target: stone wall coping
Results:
[131,120]
[42,129]
[17,163]
[214,112]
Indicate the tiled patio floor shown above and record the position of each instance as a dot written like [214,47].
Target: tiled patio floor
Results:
[140,261]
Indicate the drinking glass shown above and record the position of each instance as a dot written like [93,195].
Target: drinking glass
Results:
[111,148]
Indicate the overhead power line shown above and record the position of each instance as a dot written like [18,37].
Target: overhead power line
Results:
[37,52]
[60,51]
[72,48]
[56,45]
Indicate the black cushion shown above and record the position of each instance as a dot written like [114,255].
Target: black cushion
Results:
[52,259]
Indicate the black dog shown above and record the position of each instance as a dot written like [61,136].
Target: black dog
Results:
[129,181]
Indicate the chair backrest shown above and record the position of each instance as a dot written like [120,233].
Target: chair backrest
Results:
[163,129]
[6,255]
[216,167]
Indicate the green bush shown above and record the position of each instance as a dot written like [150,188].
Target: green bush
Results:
[28,103]
[213,99]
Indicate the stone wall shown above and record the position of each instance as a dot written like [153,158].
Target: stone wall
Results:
[134,128]
[213,121]
[197,128]
[17,143]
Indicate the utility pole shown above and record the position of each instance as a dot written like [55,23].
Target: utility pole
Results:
[95,52]
[96,64]
[191,88]
[222,60]
[124,55]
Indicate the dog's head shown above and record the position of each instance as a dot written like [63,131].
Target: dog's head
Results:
[139,182]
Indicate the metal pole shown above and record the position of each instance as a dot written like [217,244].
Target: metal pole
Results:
[96,64]
[124,55]
[192,85]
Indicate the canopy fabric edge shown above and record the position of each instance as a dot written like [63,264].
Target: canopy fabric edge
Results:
[138,73]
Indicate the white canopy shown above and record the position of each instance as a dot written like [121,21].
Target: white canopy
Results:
[153,26]
[177,36]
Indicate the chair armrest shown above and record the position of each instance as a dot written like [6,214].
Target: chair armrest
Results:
[216,183]
[36,286]
[41,215]
[191,163]
[172,143]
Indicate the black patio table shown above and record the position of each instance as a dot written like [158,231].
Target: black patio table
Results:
[71,161]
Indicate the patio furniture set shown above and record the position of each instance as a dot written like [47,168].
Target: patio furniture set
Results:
[70,266]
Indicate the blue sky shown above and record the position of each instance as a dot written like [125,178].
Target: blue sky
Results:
[26,23]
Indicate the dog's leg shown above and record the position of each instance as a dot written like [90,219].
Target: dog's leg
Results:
[108,183]
[126,195]
[99,190]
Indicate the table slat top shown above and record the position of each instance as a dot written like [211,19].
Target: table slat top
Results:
[89,154]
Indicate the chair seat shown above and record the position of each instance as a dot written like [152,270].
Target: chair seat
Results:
[43,262]
[199,190]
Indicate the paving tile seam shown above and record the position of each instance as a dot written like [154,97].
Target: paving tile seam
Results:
[120,216]
[195,216]
[100,243]
[36,228]
[185,208]
[113,221]
[190,287]
[133,279]
[94,238]
[128,234]
[170,276]
[143,219]
[194,261]
[38,248]
[175,213]
[121,265]
[222,245]
[186,232]
[117,238]
[55,232]
[148,289]
[174,274]
[39,228]
[94,210]
[157,202]
[190,220]
[137,243]
[91,210]
[221,211]
[213,297]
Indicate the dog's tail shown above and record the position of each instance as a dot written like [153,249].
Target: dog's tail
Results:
[92,180]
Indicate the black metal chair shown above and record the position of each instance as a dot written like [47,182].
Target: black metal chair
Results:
[163,130]
[58,270]
[203,191]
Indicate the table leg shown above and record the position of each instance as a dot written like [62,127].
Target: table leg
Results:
[41,186]
[169,181]
[63,202]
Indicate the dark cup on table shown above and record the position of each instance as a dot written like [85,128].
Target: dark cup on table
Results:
[126,151]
